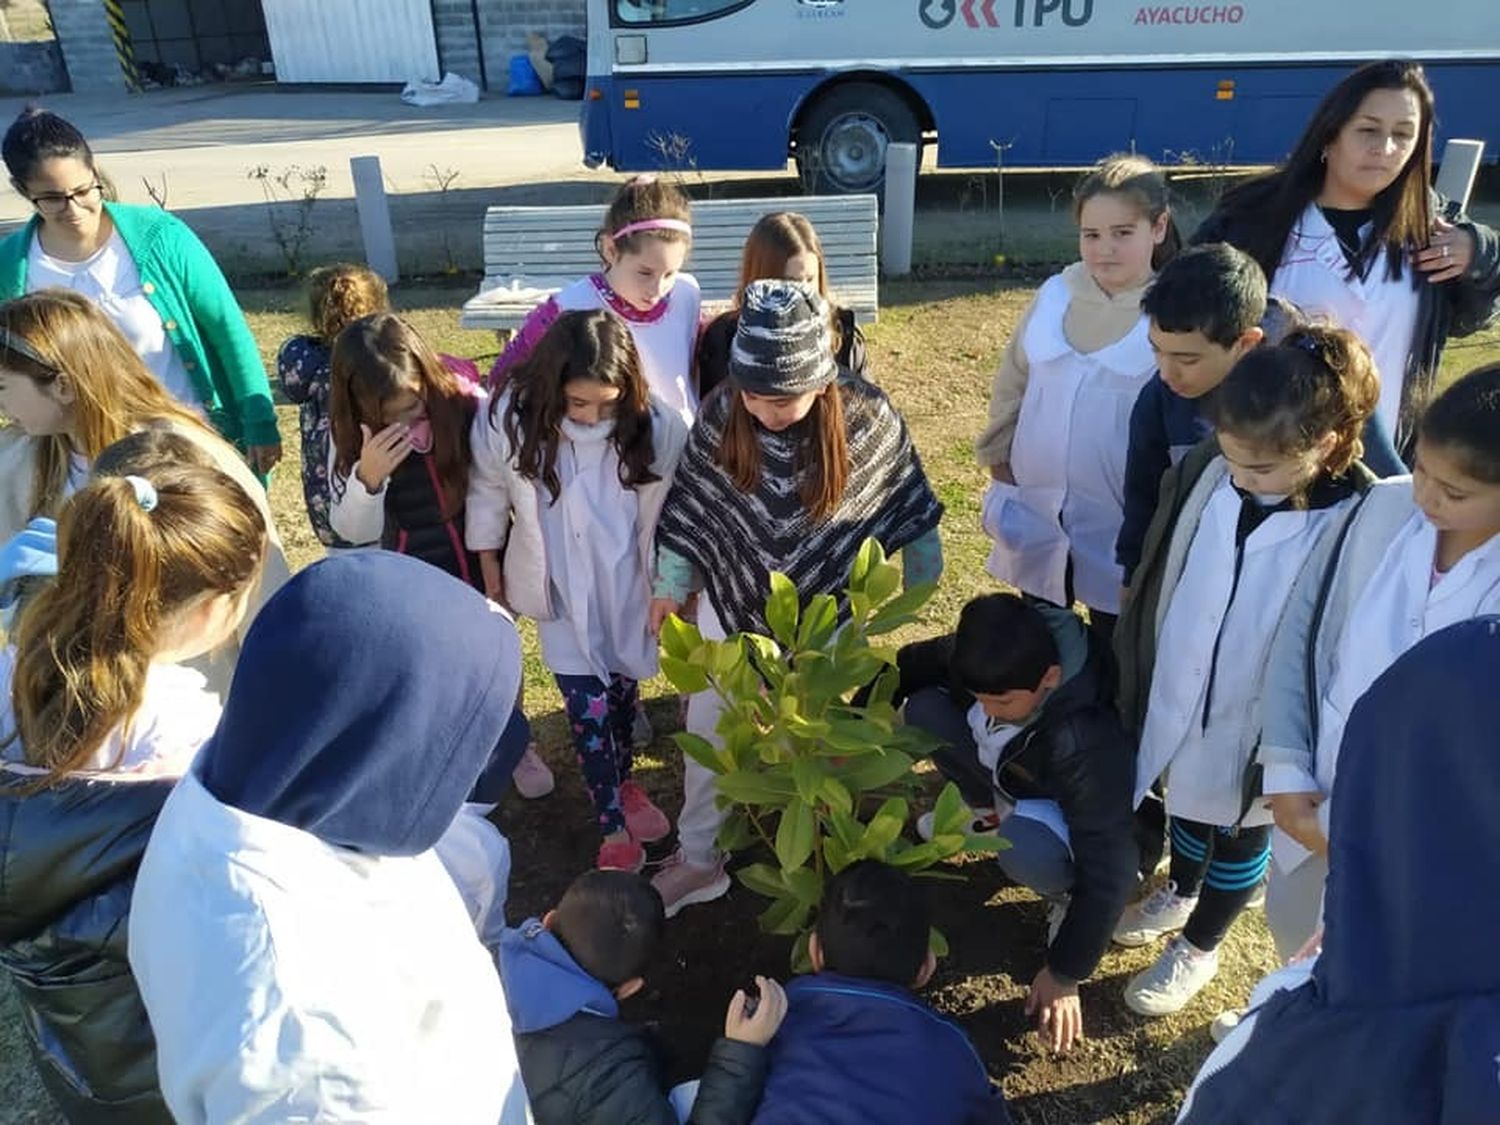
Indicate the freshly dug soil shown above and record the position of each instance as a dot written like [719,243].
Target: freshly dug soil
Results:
[1128,1069]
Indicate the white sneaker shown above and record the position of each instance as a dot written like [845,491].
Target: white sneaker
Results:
[1161,912]
[1257,897]
[985,820]
[1167,986]
[1224,1023]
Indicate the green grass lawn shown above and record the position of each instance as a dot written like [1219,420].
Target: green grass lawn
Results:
[934,351]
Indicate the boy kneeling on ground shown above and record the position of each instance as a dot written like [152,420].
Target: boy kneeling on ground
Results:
[564,976]
[857,1046]
[1022,694]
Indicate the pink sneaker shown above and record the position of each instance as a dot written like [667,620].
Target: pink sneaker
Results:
[531,776]
[681,883]
[621,855]
[643,820]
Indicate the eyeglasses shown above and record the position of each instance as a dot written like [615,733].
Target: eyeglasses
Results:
[57,203]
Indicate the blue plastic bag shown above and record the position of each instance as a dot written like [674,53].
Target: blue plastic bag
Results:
[524,82]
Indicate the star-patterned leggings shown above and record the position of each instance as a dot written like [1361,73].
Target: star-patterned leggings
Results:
[599,719]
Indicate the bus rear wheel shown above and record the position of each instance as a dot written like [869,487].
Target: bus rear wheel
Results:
[842,141]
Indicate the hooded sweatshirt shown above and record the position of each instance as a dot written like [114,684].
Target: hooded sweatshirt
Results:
[856,1051]
[299,947]
[1399,1020]
[583,1066]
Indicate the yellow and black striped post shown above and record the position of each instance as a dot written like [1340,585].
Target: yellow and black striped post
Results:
[123,49]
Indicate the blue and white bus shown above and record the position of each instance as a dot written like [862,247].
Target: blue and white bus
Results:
[742,84]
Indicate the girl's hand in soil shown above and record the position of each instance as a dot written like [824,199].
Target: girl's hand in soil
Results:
[661,609]
[757,1027]
[1060,1016]
[381,453]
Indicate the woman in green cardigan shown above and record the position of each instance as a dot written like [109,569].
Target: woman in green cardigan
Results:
[147,271]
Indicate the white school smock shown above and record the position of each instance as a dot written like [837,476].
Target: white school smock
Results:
[177,715]
[290,980]
[1399,607]
[1068,460]
[1205,766]
[600,592]
[665,338]
[1314,276]
[109,278]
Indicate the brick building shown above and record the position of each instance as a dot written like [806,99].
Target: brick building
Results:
[379,41]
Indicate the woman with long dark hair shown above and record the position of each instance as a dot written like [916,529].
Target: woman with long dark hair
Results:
[1348,228]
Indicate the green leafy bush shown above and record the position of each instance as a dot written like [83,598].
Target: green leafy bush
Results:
[817,780]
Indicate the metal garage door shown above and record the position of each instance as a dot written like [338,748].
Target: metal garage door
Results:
[352,40]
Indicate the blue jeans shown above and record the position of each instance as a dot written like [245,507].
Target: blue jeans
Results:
[1037,857]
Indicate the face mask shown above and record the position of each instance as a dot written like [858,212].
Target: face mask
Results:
[419,433]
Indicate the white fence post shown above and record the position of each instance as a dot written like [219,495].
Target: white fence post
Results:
[898,221]
[374,216]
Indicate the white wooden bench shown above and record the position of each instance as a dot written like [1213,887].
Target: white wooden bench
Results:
[531,252]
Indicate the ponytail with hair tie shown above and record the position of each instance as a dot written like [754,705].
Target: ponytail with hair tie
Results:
[145,492]
[1320,379]
[85,643]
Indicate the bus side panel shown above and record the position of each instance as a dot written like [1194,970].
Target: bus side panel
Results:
[707,121]
[594,132]
[1172,115]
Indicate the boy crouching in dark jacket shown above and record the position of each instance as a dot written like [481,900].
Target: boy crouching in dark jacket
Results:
[1023,696]
[857,1046]
[564,977]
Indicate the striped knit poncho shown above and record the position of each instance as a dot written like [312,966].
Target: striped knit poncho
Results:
[736,539]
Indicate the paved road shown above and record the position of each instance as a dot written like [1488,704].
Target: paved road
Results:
[206,138]
[203,141]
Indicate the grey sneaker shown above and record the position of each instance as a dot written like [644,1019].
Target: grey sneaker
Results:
[681,883]
[1172,981]
[1163,911]
[985,820]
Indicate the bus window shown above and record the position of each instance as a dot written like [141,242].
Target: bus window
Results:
[672,11]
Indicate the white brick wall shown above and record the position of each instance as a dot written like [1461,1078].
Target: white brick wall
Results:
[458,49]
[506,24]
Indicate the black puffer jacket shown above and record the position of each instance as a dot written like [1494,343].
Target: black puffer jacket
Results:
[594,1071]
[416,524]
[1454,308]
[582,1065]
[68,859]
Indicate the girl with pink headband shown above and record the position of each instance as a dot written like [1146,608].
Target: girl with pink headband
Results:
[642,245]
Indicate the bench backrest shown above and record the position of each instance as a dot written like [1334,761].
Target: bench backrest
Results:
[547,247]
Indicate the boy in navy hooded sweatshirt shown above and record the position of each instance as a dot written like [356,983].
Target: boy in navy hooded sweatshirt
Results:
[582,1065]
[856,1045]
